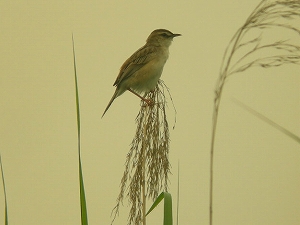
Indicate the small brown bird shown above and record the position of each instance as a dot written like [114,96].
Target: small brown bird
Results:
[142,70]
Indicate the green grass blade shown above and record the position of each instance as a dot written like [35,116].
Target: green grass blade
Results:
[178,190]
[156,202]
[168,219]
[84,217]
[267,120]
[83,208]
[4,190]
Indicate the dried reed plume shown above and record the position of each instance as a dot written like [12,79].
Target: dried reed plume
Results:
[249,47]
[147,165]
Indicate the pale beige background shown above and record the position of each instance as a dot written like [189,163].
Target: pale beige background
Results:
[257,168]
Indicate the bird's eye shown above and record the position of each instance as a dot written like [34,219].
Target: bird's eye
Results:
[164,35]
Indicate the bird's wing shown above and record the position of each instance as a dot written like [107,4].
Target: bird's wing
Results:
[135,62]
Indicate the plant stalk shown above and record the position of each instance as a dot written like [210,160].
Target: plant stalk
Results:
[144,166]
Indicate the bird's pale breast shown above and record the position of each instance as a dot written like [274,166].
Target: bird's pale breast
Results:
[145,79]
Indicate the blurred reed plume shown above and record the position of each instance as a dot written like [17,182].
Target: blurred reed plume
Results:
[147,166]
[268,38]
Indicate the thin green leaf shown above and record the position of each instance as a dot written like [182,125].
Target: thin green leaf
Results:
[83,208]
[178,190]
[4,191]
[168,219]
[267,120]
[84,217]
[156,202]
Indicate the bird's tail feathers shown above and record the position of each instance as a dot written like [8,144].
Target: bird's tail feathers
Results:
[115,95]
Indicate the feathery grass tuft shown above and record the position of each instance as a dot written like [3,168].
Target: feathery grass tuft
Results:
[250,47]
[147,165]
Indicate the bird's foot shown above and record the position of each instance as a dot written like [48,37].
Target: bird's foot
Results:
[149,102]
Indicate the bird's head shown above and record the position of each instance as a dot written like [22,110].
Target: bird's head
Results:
[161,37]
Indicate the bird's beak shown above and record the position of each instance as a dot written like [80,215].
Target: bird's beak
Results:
[176,35]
